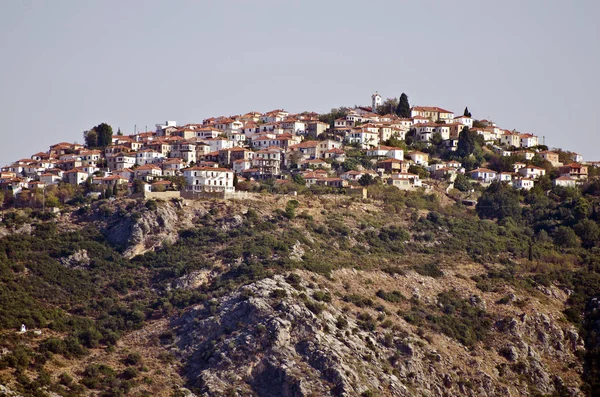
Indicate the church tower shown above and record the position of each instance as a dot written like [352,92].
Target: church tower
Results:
[375,101]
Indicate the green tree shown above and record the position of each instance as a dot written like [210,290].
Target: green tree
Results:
[403,108]
[334,114]
[466,112]
[462,183]
[90,138]
[366,180]
[582,208]
[138,186]
[388,106]
[299,179]
[466,143]
[105,134]
[499,201]
[565,237]
[588,231]
[98,137]
[395,142]
[350,164]
[419,170]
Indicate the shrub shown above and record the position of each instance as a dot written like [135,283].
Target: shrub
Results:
[322,296]
[393,296]
[278,294]
[359,301]
[430,270]
[134,358]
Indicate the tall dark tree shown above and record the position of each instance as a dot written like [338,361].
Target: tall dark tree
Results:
[98,137]
[466,143]
[467,113]
[403,108]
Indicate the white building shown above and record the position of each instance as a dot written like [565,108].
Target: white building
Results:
[209,179]
[523,183]
[147,156]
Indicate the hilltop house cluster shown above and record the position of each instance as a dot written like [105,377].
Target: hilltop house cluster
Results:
[257,146]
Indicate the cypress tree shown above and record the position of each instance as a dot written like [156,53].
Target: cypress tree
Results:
[403,108]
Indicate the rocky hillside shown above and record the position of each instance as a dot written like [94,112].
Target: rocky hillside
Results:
[290,296]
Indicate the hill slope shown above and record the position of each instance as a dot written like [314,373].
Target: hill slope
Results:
[311,295]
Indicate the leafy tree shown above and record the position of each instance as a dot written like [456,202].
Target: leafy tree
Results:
[98,137]
[588,231]
[419,170]
[138,186]
[90,138]
[395,142]
[436,139]
[334,114]
[299,179]
[500,163]
[119,132]
[466,112]
[466,143]
[105,134]
[499,201]
[235,180]
[582,208]
[366,180]
[478,124]
[403,108]
[350,164]
[462,183]
[565,237]
[388,106]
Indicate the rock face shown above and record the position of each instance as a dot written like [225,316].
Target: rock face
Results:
[262,343]
[273,339]
[145,231]
[78,260]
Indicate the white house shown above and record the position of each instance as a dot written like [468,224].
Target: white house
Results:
[209,179]
[531,171]
[147,156]
[565,181]
[466,120]
[505,176]
[121,161]
[483,175]
[241,165]
[76,176]
[419,158]
[523,183]
[528,140]
[148,172]
[386,151]
[363,138]
[217,144]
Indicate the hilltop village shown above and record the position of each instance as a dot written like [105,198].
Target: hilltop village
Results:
[348,148]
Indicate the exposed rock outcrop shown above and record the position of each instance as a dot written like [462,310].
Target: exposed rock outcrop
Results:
[273,339]
[145,230]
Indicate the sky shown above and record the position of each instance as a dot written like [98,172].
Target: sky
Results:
[530,65]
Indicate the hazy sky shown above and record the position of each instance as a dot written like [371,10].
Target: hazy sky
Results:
[69,65]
